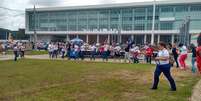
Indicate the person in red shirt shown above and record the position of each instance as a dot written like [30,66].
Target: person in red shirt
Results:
[149,53]
[198,54]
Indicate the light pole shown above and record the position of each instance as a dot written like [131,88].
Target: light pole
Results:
[153,22]
[35,34]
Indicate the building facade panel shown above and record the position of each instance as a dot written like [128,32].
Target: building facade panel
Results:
[168,17]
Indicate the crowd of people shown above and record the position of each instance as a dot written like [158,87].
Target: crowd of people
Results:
[128,53]
[164,55]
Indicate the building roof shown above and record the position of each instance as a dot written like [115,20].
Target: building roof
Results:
[116,5]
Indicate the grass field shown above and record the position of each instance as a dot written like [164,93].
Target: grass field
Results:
[54,80]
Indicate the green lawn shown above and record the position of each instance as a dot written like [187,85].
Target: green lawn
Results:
[54,80]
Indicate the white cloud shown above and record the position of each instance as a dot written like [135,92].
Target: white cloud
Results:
[14,20]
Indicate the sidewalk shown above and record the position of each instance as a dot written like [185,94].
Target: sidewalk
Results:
[6,57]
[196,96]
[59,58]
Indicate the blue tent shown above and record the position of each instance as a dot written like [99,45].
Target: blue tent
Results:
[76,41]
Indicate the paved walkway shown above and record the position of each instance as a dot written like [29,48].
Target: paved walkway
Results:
[59,58]
[6,57]
[196,96]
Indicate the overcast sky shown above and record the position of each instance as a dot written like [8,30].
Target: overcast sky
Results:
[13,18]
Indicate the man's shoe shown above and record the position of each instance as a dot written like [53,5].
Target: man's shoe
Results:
[173,90]
[153,88]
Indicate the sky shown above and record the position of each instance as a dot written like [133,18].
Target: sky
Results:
[12,12]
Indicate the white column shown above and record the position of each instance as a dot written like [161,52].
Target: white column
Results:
[77,36]
[108,38]
[145,38]
[132,37]
[67,37]
[172,38]
[97,38]
[158,38]
[87,38]
[120,38]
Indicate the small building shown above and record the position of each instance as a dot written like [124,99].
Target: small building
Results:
[4,34]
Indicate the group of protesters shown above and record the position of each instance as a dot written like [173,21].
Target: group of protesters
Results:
[128,52]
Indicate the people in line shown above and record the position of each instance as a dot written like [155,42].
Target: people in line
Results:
[131,53]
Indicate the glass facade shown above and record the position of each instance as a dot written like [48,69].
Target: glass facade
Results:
[132,18]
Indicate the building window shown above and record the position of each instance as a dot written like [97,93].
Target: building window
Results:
[127,27]
[181,8]
[139,27]
[150,17]
[166,26]
[167,9]
[140,18]
[196,8]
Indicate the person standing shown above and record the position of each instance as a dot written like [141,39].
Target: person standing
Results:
[82,50]
[175,54]
[183,56]
[164,67]
[15,51]
[193,50]
[117,52]
[198,54]
[22,49]
[50,50]
[127,53]
[106,52]
[63,50]
[93,52]
[149,53]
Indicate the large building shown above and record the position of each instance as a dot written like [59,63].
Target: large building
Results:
[115,22]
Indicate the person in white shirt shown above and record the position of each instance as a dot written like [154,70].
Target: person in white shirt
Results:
[63,51]
[106,52]
[55,50]
[163,66]
[15,51]
[136,54]
[117,52]
[81,53]
[51,50]
[22,50]
[183,53]
[93,49]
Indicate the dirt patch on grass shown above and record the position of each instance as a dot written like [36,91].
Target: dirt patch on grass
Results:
[132,76]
